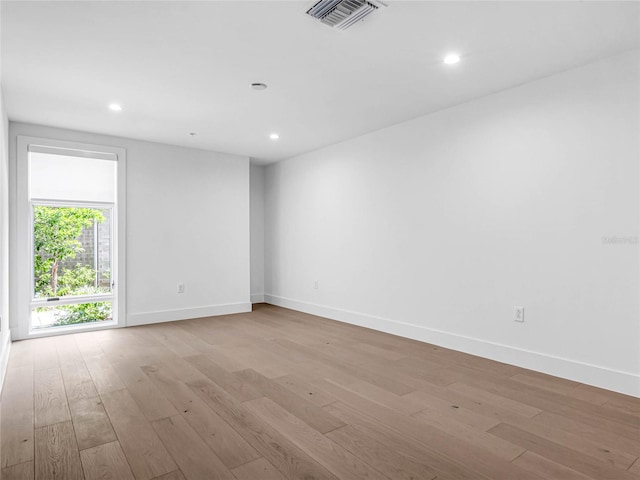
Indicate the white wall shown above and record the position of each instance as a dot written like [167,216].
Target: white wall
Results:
[436,228]
[187,222]
[257,233]
[5,335]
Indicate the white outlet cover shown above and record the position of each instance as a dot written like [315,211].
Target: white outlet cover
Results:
[518,314]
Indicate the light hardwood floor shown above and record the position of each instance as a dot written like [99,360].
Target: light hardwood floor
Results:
[276,394]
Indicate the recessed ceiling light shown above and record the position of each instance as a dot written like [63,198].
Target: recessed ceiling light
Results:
[259,86]
[451,58]
[274,136]
[115,107]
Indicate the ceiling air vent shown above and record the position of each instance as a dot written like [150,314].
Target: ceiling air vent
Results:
[342,14]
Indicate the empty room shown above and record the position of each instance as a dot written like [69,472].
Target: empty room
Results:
[334,239]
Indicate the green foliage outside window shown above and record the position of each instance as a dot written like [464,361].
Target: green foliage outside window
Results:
[83,313]
[56,233]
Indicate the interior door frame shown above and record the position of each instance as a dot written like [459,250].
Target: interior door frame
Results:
[24,228]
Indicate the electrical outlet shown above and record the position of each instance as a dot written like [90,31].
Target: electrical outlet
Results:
[518,314]
[181,288]
[316,285]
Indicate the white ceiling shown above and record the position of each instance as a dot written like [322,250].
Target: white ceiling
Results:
[180,67]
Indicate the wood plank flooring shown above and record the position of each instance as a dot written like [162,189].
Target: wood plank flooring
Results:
[277,394]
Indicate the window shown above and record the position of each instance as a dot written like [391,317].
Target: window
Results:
[72,228]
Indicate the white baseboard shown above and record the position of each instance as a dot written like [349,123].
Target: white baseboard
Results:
[618,381]
[146,318]
[5,349]
[257,298]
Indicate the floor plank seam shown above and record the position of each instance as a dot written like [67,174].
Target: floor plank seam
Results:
[521,454]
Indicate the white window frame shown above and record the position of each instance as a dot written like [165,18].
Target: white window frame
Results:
[24,247]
